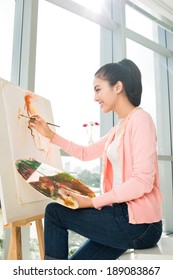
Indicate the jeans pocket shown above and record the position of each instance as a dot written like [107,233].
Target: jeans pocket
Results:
[149,237]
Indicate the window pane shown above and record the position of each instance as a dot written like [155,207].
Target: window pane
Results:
[7,8]
[139,23]
[66,61]
[65,65]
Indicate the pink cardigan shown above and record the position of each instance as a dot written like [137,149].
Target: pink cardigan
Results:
[140,188]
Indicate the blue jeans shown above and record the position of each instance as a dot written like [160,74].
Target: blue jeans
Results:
[108,232]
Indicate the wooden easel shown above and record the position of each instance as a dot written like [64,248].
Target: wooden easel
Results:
[15,248]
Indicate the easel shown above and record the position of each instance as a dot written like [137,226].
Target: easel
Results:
[15,248]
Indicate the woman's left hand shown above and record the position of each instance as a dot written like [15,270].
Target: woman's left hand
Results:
[83,201]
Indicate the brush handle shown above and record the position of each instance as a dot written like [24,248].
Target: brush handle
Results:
[33,118]
[53,124]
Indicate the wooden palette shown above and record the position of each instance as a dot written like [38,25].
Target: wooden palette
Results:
[52,182]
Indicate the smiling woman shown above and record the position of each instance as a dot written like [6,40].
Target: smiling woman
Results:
[131,198]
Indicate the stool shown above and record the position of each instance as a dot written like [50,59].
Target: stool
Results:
[162,251]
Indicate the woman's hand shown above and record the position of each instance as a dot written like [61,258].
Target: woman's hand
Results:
[36,122]
[83,201]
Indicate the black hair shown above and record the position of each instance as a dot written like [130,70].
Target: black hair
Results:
[128,73]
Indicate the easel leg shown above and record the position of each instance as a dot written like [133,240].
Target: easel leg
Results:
[15,249]
[40,235]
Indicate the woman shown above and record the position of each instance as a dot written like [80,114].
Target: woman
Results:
[128,212]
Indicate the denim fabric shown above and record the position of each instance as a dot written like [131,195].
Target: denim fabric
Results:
[108,232]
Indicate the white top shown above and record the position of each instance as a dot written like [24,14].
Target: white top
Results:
[113,156]
[113,153]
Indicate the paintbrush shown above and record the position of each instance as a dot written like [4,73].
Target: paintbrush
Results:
[33,118]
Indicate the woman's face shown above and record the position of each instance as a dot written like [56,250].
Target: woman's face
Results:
[105,94]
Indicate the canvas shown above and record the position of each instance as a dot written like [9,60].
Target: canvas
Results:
[17,141]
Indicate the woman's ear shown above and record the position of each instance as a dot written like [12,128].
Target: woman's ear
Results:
[118,87]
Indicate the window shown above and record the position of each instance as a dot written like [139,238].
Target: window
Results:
[6,32]
[139,23]
[66,61]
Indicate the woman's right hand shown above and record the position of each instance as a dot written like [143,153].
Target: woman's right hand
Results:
[39,124]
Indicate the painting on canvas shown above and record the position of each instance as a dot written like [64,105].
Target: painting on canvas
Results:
[17,141]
